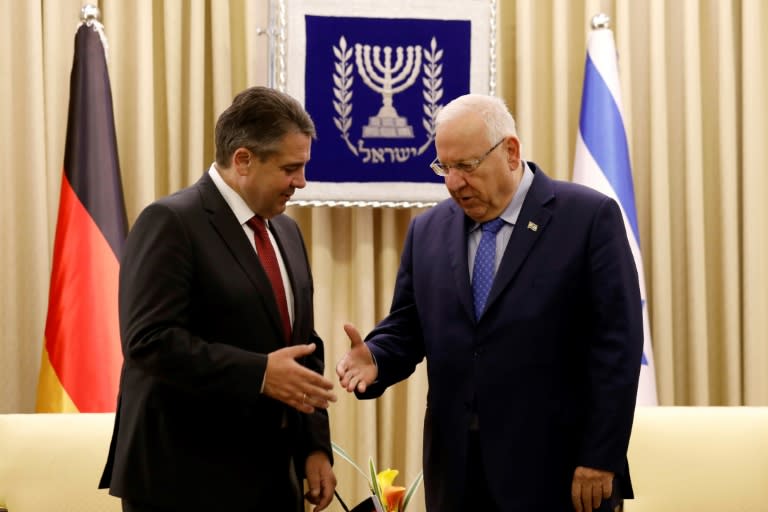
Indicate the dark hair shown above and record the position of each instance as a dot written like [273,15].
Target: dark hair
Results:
[258,119]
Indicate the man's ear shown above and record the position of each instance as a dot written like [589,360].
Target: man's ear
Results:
[513,152]
[241,160]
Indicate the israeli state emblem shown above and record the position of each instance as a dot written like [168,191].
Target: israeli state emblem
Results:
[374,87]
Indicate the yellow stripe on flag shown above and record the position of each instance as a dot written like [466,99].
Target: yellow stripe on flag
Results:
[51,396]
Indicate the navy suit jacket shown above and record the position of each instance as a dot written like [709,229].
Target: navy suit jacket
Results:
[551,367]
[197,320]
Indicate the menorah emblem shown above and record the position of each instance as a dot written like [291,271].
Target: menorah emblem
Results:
[388,79]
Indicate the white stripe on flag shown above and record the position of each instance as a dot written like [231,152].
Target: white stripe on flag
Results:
[602,162]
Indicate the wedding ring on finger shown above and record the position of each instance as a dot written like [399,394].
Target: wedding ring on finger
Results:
[303,399]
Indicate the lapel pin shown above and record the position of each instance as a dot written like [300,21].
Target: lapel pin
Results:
[533,226]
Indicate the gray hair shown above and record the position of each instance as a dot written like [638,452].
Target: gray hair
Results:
[494,112]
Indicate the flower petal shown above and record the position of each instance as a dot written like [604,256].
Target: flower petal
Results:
[386,477]
[393,498]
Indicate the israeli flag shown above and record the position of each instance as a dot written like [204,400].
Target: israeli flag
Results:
[602,162]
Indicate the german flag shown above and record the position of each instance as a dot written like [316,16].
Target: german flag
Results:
[81,359]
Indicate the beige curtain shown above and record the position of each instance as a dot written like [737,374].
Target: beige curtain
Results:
[694,75]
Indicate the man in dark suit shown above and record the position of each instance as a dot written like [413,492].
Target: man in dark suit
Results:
[222,402]
[522,294]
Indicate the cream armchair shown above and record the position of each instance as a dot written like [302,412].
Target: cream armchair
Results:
[699,459]
[683,459]
[52,462]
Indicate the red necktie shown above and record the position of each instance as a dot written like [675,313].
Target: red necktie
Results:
[272,268]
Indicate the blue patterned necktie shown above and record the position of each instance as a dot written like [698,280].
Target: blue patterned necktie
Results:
[485,264]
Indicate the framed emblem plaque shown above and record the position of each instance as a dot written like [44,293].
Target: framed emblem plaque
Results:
[373,75]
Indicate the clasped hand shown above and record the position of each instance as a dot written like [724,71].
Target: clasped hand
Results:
[291,383]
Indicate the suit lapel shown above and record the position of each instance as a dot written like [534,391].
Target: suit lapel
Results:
[231,233]
[533,219]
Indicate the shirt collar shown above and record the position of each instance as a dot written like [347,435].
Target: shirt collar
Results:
[236,203]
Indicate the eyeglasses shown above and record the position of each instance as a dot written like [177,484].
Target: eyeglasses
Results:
[465,167]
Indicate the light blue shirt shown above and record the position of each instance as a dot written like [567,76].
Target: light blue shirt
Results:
[510,214]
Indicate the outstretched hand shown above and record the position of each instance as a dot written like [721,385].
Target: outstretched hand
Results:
[293,384]
[356,370]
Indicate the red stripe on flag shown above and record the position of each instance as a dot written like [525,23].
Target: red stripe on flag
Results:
[82,330]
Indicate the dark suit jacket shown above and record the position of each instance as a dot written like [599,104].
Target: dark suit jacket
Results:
[197,319]
[551,367]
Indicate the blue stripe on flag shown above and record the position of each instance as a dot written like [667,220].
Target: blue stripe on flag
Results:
[604,136]
[644,360]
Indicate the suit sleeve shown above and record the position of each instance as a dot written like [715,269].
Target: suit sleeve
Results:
[156,285]
[397,342]
[615,347]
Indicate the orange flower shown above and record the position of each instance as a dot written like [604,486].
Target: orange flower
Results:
[393,498]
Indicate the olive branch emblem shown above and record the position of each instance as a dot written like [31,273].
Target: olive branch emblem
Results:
[343,78]
[433,90]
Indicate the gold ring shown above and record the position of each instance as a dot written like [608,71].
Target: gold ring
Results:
[304,398]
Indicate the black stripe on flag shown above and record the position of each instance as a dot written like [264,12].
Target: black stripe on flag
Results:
[90,158]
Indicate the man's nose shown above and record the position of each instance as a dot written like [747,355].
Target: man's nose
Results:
[454,180]
[299,180]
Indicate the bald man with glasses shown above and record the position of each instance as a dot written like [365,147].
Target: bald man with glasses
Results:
[521,293]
